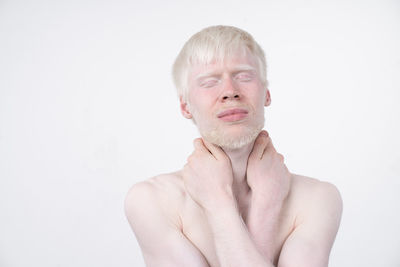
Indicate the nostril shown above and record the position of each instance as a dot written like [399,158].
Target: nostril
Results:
[226,97]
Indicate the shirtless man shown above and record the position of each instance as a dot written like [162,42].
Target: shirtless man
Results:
[234,203]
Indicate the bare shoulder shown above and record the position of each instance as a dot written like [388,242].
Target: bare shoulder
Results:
[318,209]
[164,192]
[153,211]
[312,195]
[167,183]
[307,187]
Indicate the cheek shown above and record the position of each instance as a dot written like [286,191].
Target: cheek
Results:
[200,101]
[259,107]
[201,116]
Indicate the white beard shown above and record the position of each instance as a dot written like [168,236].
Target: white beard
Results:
[221,138]
[218,136]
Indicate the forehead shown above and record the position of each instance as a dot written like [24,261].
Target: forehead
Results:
[230,63]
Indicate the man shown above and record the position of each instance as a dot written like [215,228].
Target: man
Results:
[234,203]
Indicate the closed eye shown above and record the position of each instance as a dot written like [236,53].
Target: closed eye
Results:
[244,76]
[209,82]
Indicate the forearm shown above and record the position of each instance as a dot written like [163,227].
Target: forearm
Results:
[234,245]
[262,224]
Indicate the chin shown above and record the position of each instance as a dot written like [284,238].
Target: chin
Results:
[232,139]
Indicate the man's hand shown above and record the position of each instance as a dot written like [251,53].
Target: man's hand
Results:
[208,179]
[267,175]
[269,180]
[208,175]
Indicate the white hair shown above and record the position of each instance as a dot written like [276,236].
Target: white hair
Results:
[214,43]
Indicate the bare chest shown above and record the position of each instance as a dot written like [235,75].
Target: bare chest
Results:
[197,230]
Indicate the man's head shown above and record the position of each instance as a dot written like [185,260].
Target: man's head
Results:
[220,75]
[214,43]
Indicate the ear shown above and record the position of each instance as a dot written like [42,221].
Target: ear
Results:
[184,109]
[267,98]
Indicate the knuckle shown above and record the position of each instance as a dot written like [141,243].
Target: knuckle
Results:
[196,142]
[190,159]
[286,168]
[262,141]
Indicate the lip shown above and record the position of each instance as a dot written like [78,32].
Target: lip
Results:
[233,114]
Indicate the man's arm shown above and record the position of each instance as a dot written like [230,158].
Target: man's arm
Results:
[160,239]
[208,180]
[270,182]
[233,243]
[311,242]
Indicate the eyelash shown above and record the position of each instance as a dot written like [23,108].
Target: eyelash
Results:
[209,83]
[241,77]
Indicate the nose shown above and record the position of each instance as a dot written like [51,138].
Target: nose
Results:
[230,90]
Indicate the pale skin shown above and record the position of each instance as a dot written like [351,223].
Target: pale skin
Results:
[233,207]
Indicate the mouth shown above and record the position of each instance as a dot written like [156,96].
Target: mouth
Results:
[234,114]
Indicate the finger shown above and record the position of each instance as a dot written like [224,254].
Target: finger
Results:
[202,147]
[259,145]
[270,147]
[216,151]
[264,132]
[281,157]
[199,146]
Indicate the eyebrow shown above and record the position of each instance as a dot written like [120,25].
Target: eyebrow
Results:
[236,69]
[243,67]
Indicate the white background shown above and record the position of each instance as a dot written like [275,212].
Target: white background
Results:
[88,108]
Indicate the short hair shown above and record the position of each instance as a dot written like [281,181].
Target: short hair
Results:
[214,43]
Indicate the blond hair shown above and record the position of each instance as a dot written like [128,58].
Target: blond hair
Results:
[214,43]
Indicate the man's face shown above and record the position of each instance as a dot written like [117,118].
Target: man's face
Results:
[226,100]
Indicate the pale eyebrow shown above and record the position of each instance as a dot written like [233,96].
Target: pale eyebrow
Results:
[243,67]
[206,75]
[236,69]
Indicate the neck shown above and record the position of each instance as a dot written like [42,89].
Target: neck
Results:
[239,159]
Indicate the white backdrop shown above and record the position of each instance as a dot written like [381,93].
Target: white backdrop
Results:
[88,108]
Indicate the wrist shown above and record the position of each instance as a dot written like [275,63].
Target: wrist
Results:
[264,206]
[218,216]
[266,200]
[221,203]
